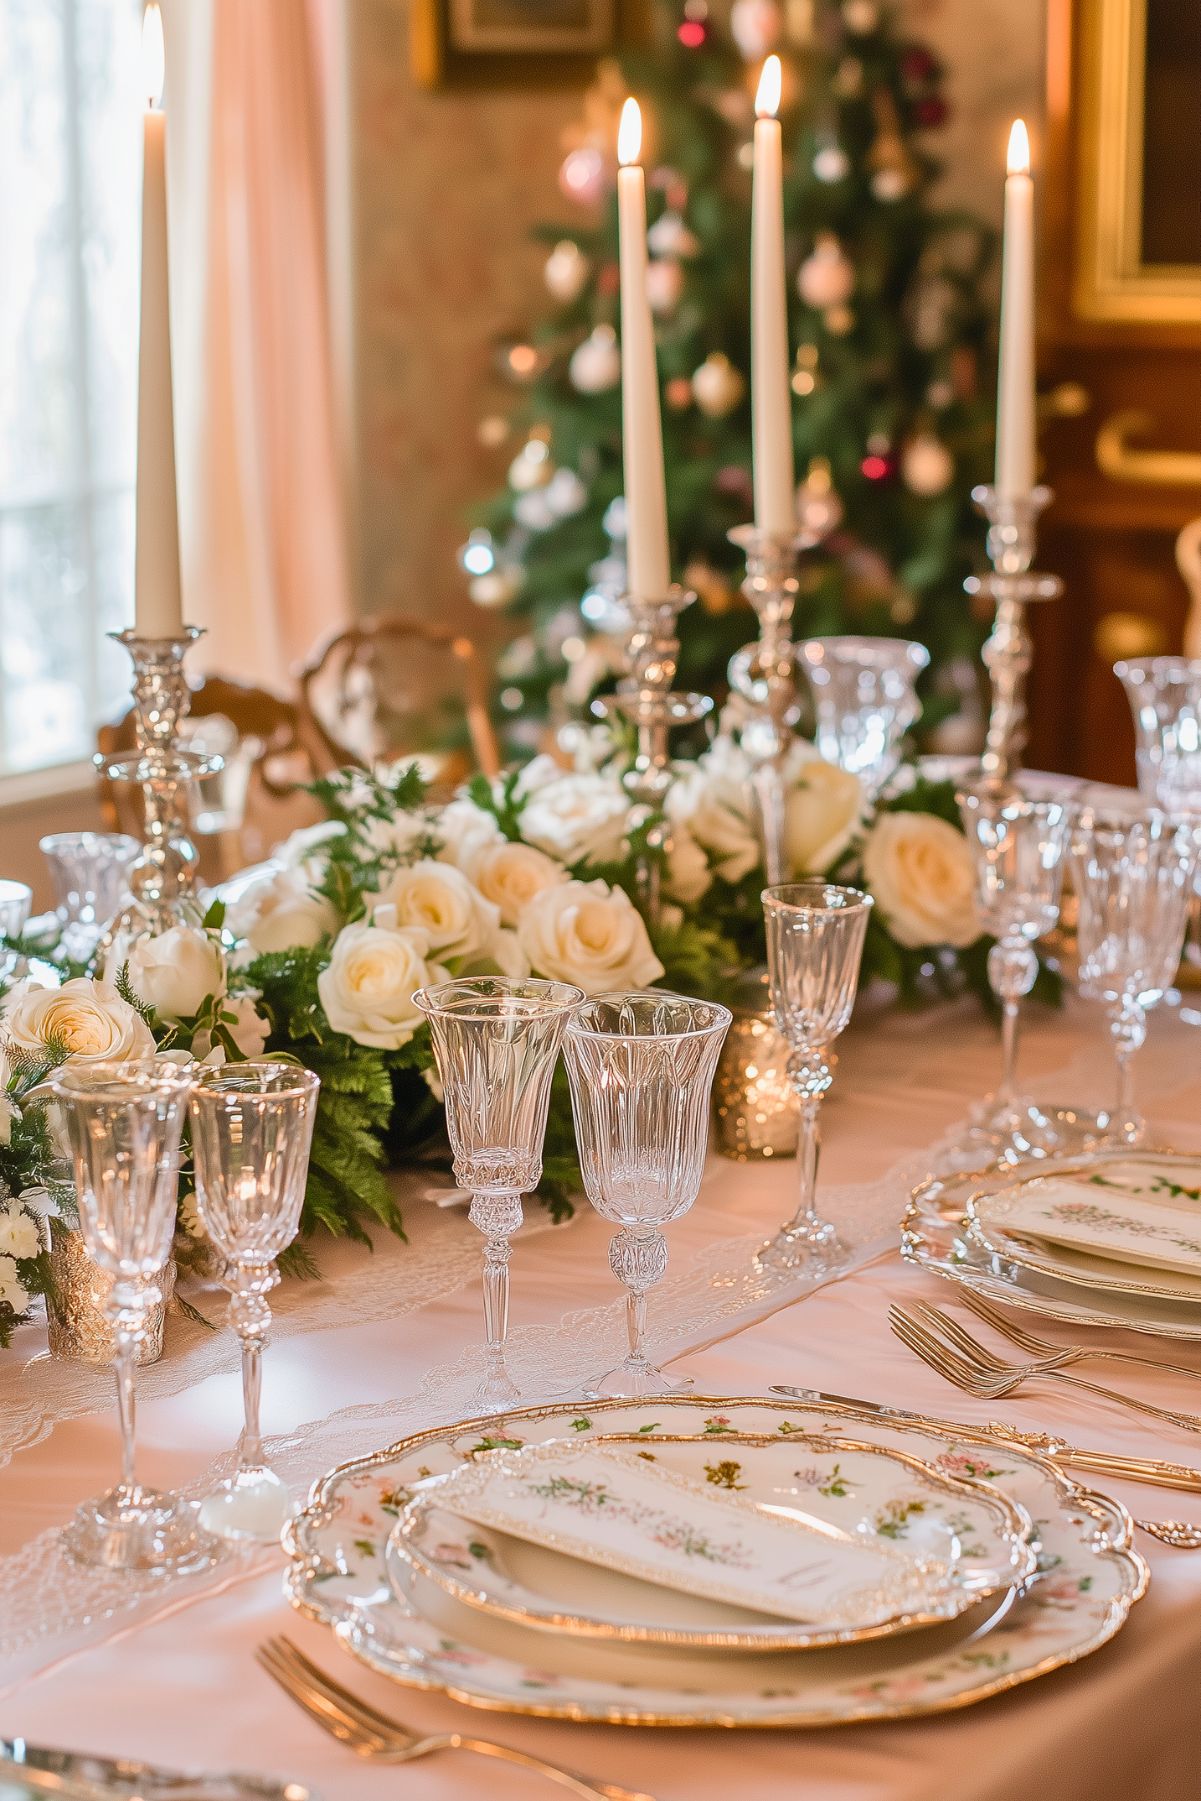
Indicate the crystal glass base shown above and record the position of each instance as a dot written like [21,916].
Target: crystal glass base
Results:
[251,1507]
[636,1380]
[808,1247]
[496,1393]
[141,1529]
[1016,1130]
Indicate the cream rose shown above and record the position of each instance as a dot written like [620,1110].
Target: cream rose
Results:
[712,799]
[589,934]
[919,869]
[368,987]
[176,972]
[19,1235]
[87,1016]
[13,1292]
[465,831]
[577,818]
[281,912]
[688,873]
[822,810]
[441,902]
[512,875]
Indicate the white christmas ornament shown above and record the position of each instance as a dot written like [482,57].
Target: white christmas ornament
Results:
[717,386]
[756,27]
[826,278]
[831,164]
[566,271]
[595,365]
[890,184]
[565,494]
[669,236]
[927,466]
[531,467]
[664,284]
[533,510]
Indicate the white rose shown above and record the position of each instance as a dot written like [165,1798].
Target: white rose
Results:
[465,831]
[367,990]
[823,807]
[589,934]
[713,799]
[176,972]
[303,847]
[19,1235]
[12,1290]
[88,1017]
[449,909]
[920,871]
[280,913]
[577,818]
[688,872]
[511,875]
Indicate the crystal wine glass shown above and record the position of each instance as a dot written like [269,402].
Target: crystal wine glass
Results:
[15,901]
[815,933]
[1133,877]
[864,700]
[123,1123]
[252,1126]
[1019,846]
[497,1040]
[1165,700]
[641,1069]
[90,871]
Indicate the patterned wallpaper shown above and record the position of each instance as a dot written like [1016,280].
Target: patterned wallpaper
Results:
[447,186]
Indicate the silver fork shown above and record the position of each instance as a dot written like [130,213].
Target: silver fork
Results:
[385,1739]
[973,1368]
[1067,1354]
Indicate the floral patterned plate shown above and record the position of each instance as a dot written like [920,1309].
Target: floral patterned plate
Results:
[1088,1579]
[1124,1222]
[935,1236]
[559,1537]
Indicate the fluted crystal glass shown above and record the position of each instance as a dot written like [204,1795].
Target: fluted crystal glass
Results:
[252,1128]
[1019,846]
[815,934]
[641,1069]
[497,1040]
[123,1123]
[1133,878]
[1165,700]
[864,701]
[90,873]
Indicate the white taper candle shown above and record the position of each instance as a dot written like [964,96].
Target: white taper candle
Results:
[1015,368]
[649,566]
[775,484]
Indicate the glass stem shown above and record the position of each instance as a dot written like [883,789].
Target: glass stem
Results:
[639,1261]
[1009,1050]
[250,1446]
[636,1326]
[123,1368]
[768,784]
[496,1298]
[1128,1026]
[808,1153]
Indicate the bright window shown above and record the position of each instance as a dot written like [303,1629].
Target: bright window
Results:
[70,184]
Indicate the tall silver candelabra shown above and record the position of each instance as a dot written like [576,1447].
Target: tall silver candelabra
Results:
[163,880]
[646,697]
[1009,652]
[765,674]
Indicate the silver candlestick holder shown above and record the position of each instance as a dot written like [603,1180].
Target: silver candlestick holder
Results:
[765,674]
[1009,652]
[162,882]
[647,700]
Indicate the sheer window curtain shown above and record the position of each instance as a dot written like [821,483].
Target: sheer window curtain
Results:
[256,125]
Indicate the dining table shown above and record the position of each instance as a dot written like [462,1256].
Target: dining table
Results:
[387,1341]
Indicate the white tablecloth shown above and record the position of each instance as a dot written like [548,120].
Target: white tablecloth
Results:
[173,1678]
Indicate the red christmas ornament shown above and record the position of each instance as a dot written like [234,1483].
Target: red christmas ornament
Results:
[876,468]
[608,280]
[931,111]
[918,66]
[691,33]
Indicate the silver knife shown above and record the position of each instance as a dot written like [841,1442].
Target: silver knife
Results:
[84,1776]
[1152,1470]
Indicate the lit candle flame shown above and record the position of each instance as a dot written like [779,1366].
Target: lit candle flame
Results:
[1017,162]
[629,133]
[154,60]
[767,99]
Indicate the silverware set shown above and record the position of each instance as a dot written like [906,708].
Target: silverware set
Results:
[387,1740]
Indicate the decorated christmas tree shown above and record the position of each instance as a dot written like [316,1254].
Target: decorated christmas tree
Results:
[892,421]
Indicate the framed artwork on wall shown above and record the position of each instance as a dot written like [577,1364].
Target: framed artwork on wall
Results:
[497,43]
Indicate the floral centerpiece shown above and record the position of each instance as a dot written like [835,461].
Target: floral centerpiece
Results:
[318,956]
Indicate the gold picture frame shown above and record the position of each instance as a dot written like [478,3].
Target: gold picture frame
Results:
[498,43]
[1113,279]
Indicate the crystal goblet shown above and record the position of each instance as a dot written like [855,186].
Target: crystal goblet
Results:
[1019,847]
[1165,701]
[123,1124]
[864,700]
[641,1070]
[497,1040]
[1133,877]
[90,872]
[252,1126]
[15,901]
[815,934]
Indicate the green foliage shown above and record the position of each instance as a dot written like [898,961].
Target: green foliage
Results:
[907,359]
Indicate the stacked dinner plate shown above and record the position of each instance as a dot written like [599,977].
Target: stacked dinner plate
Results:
[686,1562]
[1111,1240]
